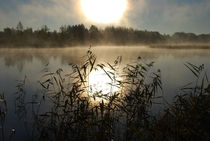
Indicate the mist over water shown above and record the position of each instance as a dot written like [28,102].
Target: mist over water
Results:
[16,63]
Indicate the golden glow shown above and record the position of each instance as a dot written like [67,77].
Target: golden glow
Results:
[103,11]
[102,83]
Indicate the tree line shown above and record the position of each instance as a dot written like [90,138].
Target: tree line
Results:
[79,35]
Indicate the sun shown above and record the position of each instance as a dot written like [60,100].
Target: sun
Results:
[103,82]
[104,11]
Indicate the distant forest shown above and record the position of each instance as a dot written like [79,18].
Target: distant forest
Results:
[79,35]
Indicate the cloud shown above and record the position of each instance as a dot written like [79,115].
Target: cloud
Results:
[186,17]
[170,16]
[50,12]
[186,12]
[134,12]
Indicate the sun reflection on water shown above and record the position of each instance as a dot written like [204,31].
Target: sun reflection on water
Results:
[103,82]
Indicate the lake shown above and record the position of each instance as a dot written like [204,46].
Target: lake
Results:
[16,64]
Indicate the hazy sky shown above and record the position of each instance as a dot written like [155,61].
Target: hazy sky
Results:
[165,16]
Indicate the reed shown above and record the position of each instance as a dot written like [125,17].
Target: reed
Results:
[120,115]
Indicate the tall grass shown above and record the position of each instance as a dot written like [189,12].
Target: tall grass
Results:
[3,112]
[121,115]
[188,118]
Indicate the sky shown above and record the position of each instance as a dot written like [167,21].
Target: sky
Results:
[164,16]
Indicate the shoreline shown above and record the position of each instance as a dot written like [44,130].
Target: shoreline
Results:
[153,46]
[181,46]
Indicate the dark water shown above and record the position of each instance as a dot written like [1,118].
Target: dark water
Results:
[15,64]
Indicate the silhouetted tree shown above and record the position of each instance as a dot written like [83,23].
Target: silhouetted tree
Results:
[73,35]
[94,34]
[19,27]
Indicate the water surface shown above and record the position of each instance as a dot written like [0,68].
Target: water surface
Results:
[16,64]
